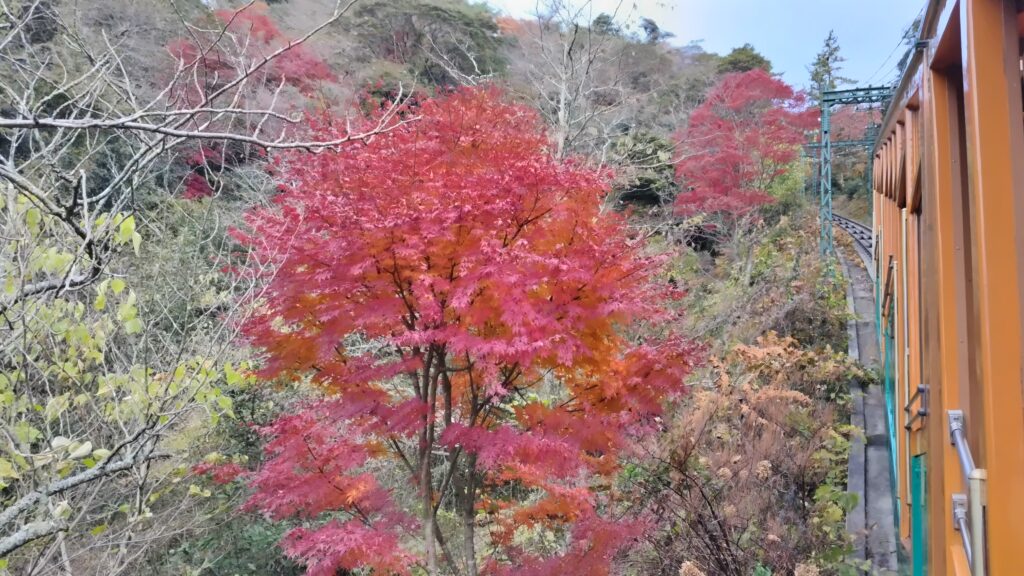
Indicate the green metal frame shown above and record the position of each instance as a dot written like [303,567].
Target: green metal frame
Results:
[889,390]
[869,95]
[919,514]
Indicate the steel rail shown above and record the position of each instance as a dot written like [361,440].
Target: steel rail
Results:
[860,233]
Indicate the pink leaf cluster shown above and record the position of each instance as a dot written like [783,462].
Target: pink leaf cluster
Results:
[314,466]
[196,187]
[219,473]
[348,545]
[745,134]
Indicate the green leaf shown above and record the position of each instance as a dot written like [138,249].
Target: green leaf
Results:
[33,217]
[232,377]
[55,407]
[225,404]
[117,285]
[125,230]
[98,530]
[7,469]
[127,310]
[42,459]
[54,261]
[81,451]
[133,326]
[100,303]
[25,433]
[194,490]
[59,442]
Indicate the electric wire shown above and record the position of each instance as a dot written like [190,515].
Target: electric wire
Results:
[895,49]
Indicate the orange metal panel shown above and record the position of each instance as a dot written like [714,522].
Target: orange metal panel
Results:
[900,371]
[884,185]
[993,104]
[893,154]
[913,303]
[885,169]
[914,158]
[943,248]
[900,167]
[960,566]
[947,52]
[917,437]
[880,172]
[894,165]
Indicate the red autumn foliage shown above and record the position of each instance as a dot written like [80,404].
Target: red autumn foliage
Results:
[196,187]
[346,546]
[435,283]
[220,473]
[745,134]
[852,122]
[252,35]
[207,62]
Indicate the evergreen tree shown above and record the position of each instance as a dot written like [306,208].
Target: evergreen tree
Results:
[826,68]
[604,24]
[652,32]
[744,59]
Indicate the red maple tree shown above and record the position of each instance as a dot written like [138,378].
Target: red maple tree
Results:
[472,317]
[745,135]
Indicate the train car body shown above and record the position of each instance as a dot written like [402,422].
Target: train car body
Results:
[948,218]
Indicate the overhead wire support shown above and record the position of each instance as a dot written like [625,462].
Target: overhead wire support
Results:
[869,95]
[865,143]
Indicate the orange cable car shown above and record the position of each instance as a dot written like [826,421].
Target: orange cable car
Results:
[948,191]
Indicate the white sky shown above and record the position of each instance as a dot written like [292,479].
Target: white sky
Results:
[788,32]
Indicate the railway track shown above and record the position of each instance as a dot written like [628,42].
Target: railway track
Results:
[860,233]
[869,476]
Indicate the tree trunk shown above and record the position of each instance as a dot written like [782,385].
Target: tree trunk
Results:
[431,375]
[429,537]
[469,542]
[469,515]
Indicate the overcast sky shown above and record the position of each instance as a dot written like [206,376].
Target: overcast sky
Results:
[788,32]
